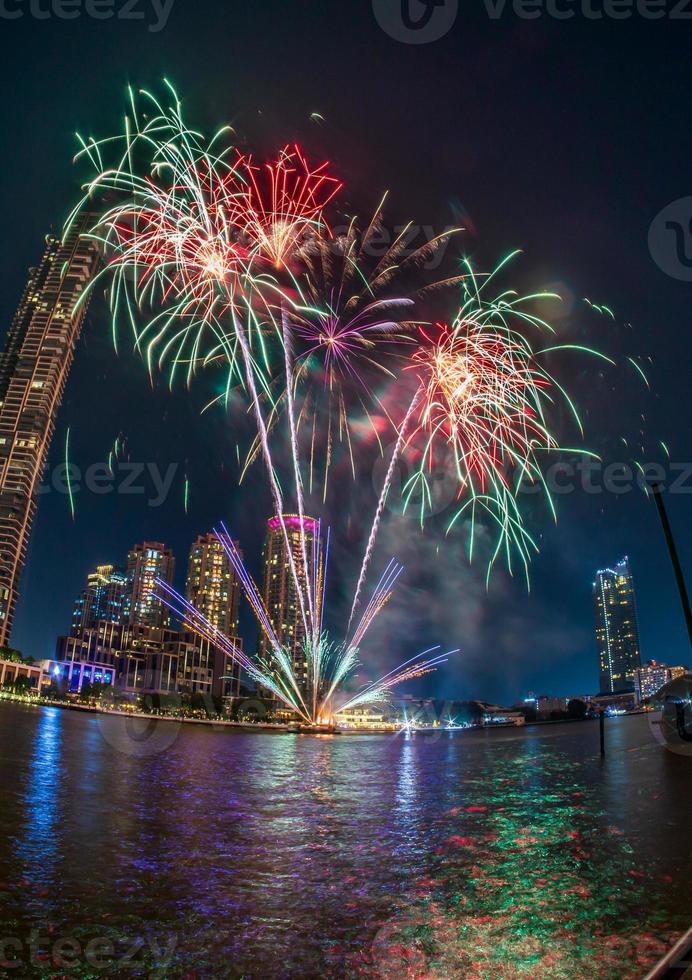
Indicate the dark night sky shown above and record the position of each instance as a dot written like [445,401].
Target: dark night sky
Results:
[562,138]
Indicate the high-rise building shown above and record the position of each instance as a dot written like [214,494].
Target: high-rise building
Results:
[212,585]
[279,589]
[650,678]
[104,598]
[617,633]
[213,588]
[34,367]
[202,668]
[146,563]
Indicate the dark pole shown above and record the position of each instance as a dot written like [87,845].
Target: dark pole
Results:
[601,722]
[673,551]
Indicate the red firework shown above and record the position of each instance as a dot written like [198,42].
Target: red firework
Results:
[281,203]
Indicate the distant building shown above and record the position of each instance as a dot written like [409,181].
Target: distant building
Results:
[34,367]
[99,643]
[141,659]
[146,563]
[212,585]
[543,705]
[146,663]
[494,715]
[71,673]
[613,703]
[650,678]
[104,598]
[35,676]
[617,632]
[279,590]
[203,668]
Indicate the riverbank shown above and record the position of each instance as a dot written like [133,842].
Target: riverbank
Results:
[219,723]
[279,728]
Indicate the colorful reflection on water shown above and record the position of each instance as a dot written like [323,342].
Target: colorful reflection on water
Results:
[500,854]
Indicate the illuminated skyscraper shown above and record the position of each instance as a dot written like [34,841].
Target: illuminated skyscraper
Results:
[279,591]
[104,598]
[617,633]
[34,367]
[213,588]
[212,585]
[147,562]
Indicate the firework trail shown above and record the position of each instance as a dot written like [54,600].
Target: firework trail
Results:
[68,479]
[116,449]
[330,664]
[288,355]
[186,493]
[355,313]
[282,203]
[382,501]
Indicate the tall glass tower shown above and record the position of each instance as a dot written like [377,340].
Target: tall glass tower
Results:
[146,563]
[104,598]
[280,594]
[617,632]
[212,585]
[34,367]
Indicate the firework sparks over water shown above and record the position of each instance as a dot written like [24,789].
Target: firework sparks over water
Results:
[216,259]
[330,665]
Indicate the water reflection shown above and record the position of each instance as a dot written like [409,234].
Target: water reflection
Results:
[406,782]
[503,854]
[38,846]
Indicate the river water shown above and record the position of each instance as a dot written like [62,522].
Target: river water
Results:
[180,851]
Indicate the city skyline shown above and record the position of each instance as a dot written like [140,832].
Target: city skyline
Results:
[212,585]
[558,612]
[122,634]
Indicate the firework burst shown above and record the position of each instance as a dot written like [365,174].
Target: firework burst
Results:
[485,400]
[281,203]
[213,258]
[357,311]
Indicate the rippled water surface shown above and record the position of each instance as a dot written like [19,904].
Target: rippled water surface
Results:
[483,854]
